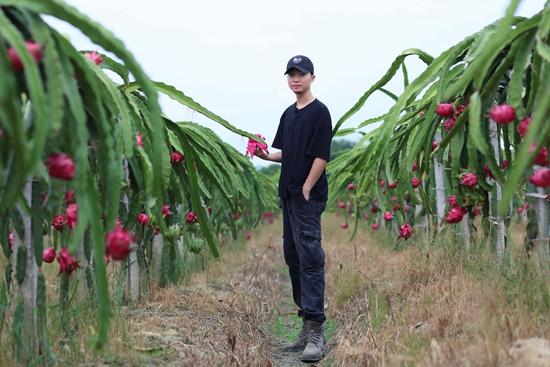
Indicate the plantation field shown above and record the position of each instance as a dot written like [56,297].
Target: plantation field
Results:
[129,238]
[388,303]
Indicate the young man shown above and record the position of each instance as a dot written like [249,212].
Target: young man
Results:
[304,137]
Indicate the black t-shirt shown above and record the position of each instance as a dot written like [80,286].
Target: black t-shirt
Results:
[303,135]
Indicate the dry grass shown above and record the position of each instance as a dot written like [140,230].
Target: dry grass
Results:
[418,305]
[220,316]
[429,306]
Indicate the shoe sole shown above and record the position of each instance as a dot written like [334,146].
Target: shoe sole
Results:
[313,360]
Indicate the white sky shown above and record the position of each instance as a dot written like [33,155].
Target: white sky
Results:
[230,56]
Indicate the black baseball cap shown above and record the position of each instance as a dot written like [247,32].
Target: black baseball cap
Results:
[301,63]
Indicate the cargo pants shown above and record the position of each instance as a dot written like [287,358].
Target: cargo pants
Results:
[303,253]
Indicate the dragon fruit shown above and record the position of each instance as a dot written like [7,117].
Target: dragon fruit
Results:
[119,243]
[253,145]
[61,166]
[35,49]
[502,114]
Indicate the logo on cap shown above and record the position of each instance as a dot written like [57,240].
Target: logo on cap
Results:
[297,60]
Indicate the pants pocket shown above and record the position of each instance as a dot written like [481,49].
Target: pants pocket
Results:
[313,256]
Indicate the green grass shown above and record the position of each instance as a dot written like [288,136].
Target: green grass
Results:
[287,328]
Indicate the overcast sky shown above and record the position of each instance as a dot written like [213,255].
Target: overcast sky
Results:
[230,56]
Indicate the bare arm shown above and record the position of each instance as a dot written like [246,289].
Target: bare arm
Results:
[274,157]
[315,172]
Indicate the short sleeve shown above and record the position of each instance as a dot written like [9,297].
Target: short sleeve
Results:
[278,141]
[321,139]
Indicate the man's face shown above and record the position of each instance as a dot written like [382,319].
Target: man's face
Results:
[299,82]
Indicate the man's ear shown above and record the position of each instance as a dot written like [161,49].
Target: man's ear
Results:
[312,77]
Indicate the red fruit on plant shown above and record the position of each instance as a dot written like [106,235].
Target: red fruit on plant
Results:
[449,123]
[191,218]
[542,158]
[454,215]
[69,197]
[451,199]
[502,114]
[139,140]
[405,231]
[143,219]
[176,157]
[459,110]
[414,166]
[341,205]
[382,182]
[392,185]
[476,210]
[119,243]
[393,198]
[48,255]
[468,179]
[344,226]
[415,182]
[523,126]
[504,164]
[61,166]
[421,114]
[435,144]
[374,226]
[541,177]
[397,207]
[58,222]
[94,57]
[388,216]
[67,264]
[166,210]
[373,209]
[445,109]
[210,211]
[366,216]
[35,49]
[351,186]
[522,208]
[71,215]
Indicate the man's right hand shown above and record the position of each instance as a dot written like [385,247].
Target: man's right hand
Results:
[260,153]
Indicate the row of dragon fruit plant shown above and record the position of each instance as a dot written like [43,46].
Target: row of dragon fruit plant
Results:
[93,175]
[468,137]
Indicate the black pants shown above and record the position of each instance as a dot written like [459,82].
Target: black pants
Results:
[304,255]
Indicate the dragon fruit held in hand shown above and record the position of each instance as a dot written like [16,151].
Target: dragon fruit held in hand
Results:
[253,145]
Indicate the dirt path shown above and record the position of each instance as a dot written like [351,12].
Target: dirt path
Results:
[237,312]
